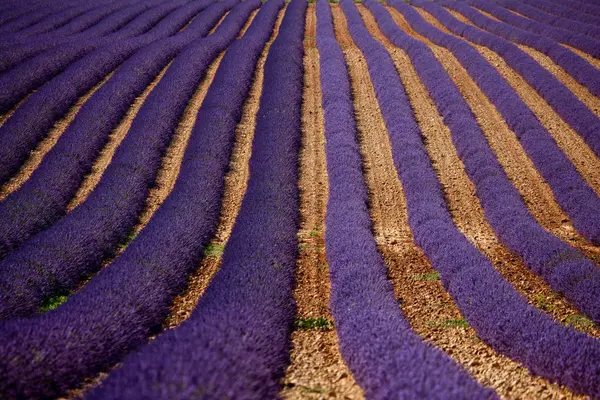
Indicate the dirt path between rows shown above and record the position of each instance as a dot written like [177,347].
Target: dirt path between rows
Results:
[166,178]
[425,303]
[582,93]
[236,181]
[317,369]
[519,168]
[46,144]
[464,205]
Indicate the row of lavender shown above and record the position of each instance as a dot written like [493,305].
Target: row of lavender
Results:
[56,259]
[564,268]
[48,354]
[500,315]
[236,342]
[43,198]
[386,356]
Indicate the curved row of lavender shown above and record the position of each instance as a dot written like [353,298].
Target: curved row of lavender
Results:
[387,358]
[557,28]
[18,51]
[236,343]
[129,299]
[564,11]
[76,25]
[556,94]
[563,267]
[592,7]
[28,16]
[58,258]
[497,312]
[32,120]
[563,32]
[56,20]
[570,190]
[25,77]
[44,196]
[576,66]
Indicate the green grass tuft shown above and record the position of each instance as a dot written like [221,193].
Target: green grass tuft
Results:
[313,324]
[214,250]
[456,323]
[427,277]
[52,303]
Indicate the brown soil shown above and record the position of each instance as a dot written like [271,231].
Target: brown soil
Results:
[236,181]
[594,61]
[464,205]
[536,193]
[582,93]
[6,115]
[44,146]
[317,369]
[425,303]
[114,140]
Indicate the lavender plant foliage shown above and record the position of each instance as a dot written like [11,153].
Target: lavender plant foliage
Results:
[101,323]
[560,29]
[563,267]
[32,17]
[558,96]
[563,11]
[236,342]
[499,314]
[43,197]
[387,358]
[86,20]
[25,77]
[578,6]
[17,52]
[582,71]
[58,258]
[54,20]
[37,114]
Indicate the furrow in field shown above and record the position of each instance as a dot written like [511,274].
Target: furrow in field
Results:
[317,369]
[519,168]
[582,93]
[44,146]
[428,307]
[114,140]
[236,181]
[464,205]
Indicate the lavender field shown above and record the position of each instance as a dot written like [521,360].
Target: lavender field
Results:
[227,199]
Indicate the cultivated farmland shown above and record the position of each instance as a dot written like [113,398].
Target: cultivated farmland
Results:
[290,199]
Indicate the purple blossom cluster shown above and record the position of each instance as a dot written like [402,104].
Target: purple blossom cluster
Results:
[129,299]
[590,7]
[576,66]
[558,28]
[43,198]
[563,267]
[236,342]
[69,26]
[564,11]
[573,194]
[19,49]
[21,77]
[58,258]
[19,16]
[556,94]
[387,358]
[499,314]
